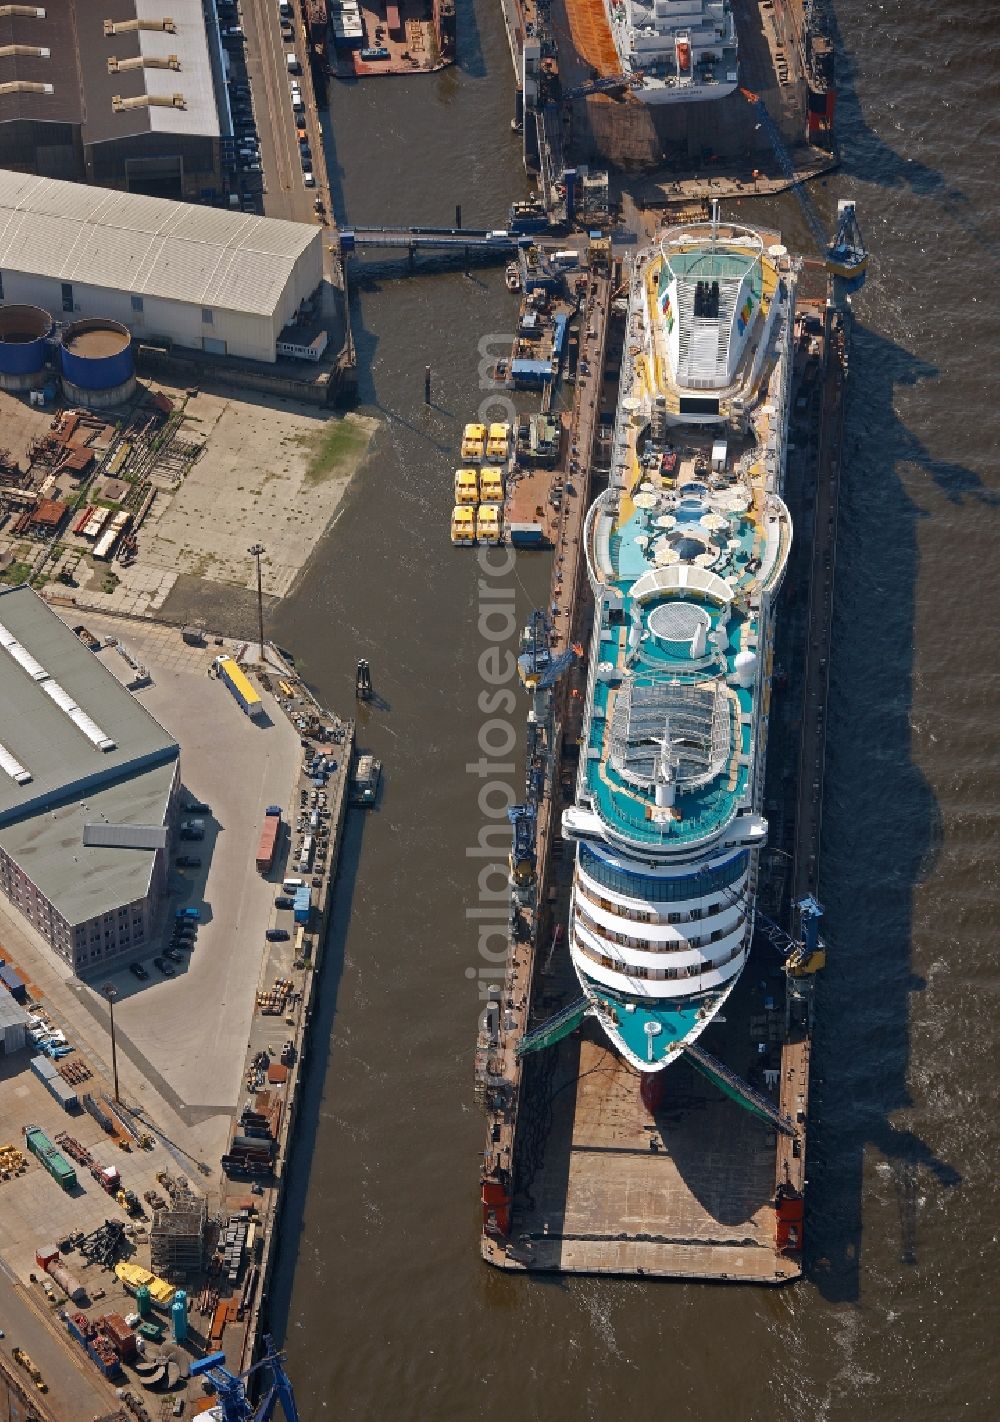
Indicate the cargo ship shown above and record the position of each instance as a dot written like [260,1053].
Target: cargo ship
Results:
[686,551]
[676,53]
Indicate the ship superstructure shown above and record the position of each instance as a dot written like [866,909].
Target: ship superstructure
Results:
[683,50]
[686,551]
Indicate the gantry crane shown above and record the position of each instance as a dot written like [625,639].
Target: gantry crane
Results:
[234,1404]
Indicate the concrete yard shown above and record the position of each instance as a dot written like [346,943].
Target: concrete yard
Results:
[268,471]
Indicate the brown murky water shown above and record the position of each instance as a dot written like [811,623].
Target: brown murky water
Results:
[382,1301]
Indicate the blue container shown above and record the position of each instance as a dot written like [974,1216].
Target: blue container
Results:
[24,331]
[96,355]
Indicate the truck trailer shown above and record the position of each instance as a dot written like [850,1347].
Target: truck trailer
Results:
[239,684]
[268,844]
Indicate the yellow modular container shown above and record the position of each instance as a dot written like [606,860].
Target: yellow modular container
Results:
[488,523]
[474,442]
[498,441]
[463,524]
[491,485]
[466,486]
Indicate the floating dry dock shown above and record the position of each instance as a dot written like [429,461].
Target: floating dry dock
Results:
[582,1171]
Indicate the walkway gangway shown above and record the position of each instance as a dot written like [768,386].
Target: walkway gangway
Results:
[412,239]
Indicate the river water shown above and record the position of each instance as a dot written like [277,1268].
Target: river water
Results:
[381,1299]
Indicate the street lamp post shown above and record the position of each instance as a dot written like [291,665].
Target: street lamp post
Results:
[257,551]
[111,992]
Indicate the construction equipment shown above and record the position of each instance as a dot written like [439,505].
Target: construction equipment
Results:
[234,1405]
[846,257]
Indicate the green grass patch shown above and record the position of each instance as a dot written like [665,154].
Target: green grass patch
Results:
[16,573]
[332,449]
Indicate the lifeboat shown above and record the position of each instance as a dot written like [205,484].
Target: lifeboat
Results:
[466,486]
[683,56]
[488,523]
[491,485]
[463,526]
[498,441]
[473,443]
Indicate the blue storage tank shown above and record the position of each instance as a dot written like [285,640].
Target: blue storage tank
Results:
[97,363]
[24,331]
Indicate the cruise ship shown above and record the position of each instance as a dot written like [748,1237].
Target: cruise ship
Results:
[676,51]
[686,551]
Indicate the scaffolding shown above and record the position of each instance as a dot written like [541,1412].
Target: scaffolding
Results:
[177,1236]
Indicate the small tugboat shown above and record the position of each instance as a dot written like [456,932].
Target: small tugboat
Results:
[512,277]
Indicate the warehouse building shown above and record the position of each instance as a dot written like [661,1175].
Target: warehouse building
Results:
[88,783]
[174,274]
[123,94]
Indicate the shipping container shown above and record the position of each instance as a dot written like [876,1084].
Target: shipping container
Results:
[268,843]
[46,1154]
[240,686]
[13,983]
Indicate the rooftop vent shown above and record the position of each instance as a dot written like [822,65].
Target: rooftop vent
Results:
[143,61]
[35,51]
[124,27]
[22,86]
[147,101]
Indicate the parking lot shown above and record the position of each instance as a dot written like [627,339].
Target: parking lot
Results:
[278,156]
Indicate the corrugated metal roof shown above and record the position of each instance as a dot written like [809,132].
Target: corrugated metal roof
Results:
[147,246]
[125,836]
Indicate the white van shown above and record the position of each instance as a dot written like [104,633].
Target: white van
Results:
[290,885]
[294,67]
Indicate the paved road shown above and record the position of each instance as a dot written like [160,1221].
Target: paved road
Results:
[75,1389]
[284,193]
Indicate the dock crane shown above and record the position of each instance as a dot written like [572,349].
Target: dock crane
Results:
[846,256]
[230,1388]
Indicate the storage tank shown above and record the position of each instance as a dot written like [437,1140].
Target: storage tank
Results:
[24,331]
[97,364]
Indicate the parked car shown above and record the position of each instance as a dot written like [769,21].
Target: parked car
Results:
[167,969]
[308,179]
[184,935]
[188,861]
[197,807]
[189,912]
[276,935]
[138,970]
[172,954]
[284,902]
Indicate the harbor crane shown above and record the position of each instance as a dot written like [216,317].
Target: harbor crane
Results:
[846,256]
[234,1405]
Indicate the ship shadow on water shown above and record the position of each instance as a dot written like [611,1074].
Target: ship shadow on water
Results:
[865,156]
[310,1109]
[882,828]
